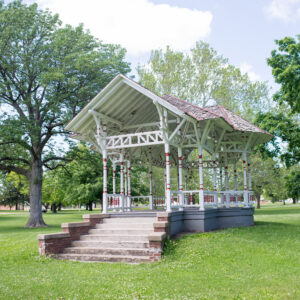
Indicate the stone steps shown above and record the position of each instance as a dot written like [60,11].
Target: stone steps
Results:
[103,258]
[117,231]
[125,226]
[117,239]
[111,244]
[113,237]
[107,251]
[146,220]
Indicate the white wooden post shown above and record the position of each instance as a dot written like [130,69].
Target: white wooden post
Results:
[114,185]
[181,197]
[129,186]
[249,179]
[201,191]
[168,178]
[104,157]
[227,184]
[150,186]
[122,181]
[221,186]
[215,180]
[244,157]
[235,184]
[125,186]
[125,179]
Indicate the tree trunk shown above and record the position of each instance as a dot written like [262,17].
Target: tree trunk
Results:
[294,200]
[90,206]
[59,207]
[35,186]
[258,200]
[53,208]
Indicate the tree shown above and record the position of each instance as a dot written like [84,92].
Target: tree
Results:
[47,74]
[285,63]
[292,183]
[203,77]
[286,141]
[12,192]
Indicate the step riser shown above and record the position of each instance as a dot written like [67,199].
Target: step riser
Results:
[121,231]
[118,238]
[103,259]
[129,220]
[117,245]
[132,252]
[125,226]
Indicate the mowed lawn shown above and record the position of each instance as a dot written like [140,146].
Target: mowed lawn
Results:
[259,262]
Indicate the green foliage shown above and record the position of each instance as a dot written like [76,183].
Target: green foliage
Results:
[285,63]
[292,182]
[47,74]
[286,131]
[12,190]
[203,77]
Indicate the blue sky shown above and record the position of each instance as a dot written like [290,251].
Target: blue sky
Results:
[241,30]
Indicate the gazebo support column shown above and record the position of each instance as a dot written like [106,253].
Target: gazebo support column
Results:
[129,186]
[227,185]
[201,191]
[244,157]
[181,196]
[221,186]
[168,178]
[104,157]
[150,187]
[249,179]
[235,183]
[122,181]
[114,184]
[125,182]
[215,180]
[104,198]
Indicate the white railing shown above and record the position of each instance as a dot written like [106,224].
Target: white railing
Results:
[116,202]
[141,201]
[159,201]
[181,199]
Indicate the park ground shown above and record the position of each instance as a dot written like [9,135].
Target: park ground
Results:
[259,262]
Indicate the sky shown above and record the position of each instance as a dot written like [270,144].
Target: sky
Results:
[241,30]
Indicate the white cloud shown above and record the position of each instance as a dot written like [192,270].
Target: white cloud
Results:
[286,10]
[138,25]
[247,68]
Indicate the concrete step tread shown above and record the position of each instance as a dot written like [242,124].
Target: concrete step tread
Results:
[116,234]
[103,258]
[129,220]
[105,248]
[120,232]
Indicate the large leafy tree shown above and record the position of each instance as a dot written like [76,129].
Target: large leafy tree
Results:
[283,122]
[285,63]
[204,77]
[286,141]
[292,183]
[47,73]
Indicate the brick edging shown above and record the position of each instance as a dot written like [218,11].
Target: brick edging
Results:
[54,243]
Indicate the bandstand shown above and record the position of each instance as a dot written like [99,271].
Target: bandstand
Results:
[128,124]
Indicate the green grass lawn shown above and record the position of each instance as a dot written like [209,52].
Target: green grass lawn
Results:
[259,262]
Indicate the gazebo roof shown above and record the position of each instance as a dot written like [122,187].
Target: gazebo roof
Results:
[128,108]
[214,112]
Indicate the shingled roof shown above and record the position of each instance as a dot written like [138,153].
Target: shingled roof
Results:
[213,112]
